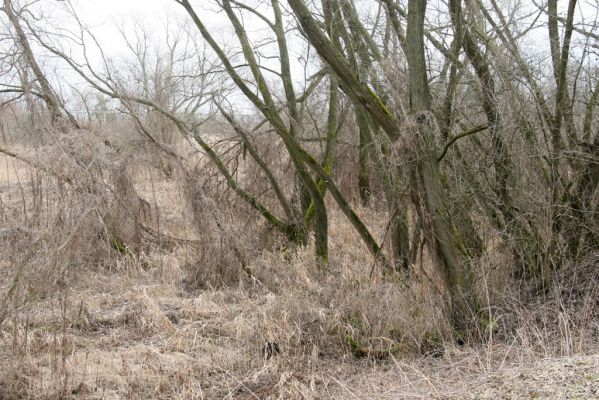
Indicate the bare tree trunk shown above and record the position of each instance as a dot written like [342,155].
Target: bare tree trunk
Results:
[560,52]
[295,120]
[26,84]
[443,237]
[364,149]
[50,98]
[359,41]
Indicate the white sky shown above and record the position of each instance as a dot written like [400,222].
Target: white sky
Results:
[106,11]
[105,16]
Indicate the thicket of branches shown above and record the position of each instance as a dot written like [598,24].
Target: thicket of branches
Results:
[439,113]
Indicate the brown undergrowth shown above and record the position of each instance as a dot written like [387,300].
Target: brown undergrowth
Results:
[124,278]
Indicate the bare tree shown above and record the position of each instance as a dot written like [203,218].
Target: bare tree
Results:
[46,91]
[448,110]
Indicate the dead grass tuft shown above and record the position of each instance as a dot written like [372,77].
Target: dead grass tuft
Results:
[121,280]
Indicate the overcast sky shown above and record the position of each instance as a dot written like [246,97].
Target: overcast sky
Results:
[107,17]
[109,10]
[104,17]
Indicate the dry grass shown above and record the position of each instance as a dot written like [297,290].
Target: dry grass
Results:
[173,315]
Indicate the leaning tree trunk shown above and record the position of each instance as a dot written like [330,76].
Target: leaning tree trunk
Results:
[49,97]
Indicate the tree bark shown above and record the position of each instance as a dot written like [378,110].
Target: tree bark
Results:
[443,236]
[50,98]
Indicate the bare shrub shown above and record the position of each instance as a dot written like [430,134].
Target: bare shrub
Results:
[84,212]
[562,321]
[223,252]
[127,213]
